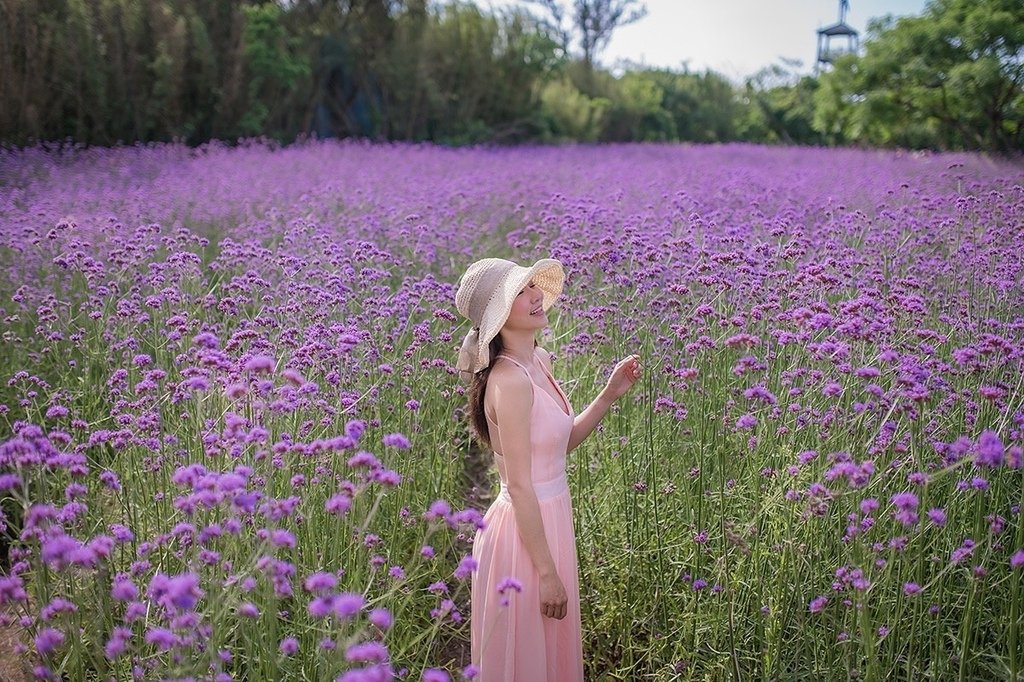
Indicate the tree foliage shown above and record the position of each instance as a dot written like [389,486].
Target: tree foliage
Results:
[592,21]
[951,79]
[109,71]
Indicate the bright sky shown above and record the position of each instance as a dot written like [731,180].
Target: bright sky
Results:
[733,37]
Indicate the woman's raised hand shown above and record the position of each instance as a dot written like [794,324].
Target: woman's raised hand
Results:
[625,374]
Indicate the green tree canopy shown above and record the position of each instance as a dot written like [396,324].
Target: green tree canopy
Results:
[951,78]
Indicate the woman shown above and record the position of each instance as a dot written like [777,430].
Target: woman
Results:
[525,605]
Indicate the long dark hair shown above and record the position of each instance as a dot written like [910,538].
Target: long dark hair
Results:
[477,391]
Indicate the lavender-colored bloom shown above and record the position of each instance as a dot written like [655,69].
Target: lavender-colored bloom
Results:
[354,429]
[364,652]
[322,606]
[435,675]
[176,592]
[124,589]
[57,606]
[109,479]
[470,516]
[396,440]
[806,456]
[338,504]
[236,390]
[373,673]
[906,501]
[832,389]
[347,604]
[388,477]
[12,589]
[134,611]
[289,646]
[990,450]
[817,605]
[248,610]
[56,412]
[962,552]
[280,537]
[1017,560]
[746,421]
[906,508]
[1015,457]
[206,340]
[121,533]
[363,459]
[466,567]
[60,550]
[118,642]
[260,364]
[293,376]
[381,618]
[161,638]
[438,509]
[48,640]
[917,478]
[911,589]
[318,582]
[509,583]
[937,516]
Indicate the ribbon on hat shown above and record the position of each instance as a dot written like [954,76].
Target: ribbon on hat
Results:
[468,355]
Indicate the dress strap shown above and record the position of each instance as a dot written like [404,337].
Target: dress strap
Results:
[514,362]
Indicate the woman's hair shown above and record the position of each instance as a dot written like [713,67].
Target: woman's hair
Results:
[477,390]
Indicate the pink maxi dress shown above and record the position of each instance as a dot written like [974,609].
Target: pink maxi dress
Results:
[513,641]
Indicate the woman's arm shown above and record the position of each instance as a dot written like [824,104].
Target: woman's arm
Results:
[624,375]
[513,392]
[587,420]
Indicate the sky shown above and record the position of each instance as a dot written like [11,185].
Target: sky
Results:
[733,37]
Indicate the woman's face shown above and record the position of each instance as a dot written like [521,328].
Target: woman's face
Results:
[528,309]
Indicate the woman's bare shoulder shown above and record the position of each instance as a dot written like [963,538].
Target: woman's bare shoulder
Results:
[506,377]
[544,356]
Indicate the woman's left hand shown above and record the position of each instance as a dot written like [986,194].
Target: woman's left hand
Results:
[625,374]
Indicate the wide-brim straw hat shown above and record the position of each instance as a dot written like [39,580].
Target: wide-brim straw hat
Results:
[485,296]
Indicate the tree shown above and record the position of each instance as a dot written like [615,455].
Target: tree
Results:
[951,78]
[594,22]
[780,105]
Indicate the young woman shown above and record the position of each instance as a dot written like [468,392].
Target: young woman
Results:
[525,602]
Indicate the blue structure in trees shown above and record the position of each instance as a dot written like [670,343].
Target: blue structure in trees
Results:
[836,40]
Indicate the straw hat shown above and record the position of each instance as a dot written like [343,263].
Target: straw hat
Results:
[485,296]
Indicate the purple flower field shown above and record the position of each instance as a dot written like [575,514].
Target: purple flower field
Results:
[232,443]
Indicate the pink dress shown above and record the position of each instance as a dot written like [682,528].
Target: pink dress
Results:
[511,641]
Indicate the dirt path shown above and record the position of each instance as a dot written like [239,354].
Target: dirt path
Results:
[12,667]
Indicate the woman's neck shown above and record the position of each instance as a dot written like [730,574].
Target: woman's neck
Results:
[518,346]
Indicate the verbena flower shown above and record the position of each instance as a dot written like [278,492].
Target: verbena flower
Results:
[48,640]
[990,450]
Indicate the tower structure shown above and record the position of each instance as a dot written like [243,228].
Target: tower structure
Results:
[838,39]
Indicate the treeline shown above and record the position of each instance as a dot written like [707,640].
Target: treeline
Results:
[110,71]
